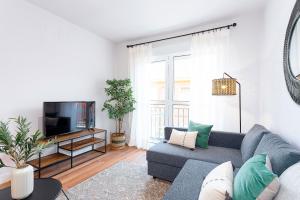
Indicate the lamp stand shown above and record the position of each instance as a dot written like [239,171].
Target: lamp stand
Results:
[240,99]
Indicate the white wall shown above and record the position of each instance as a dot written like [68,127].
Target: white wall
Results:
[278,111]
[245,59]
[45,58]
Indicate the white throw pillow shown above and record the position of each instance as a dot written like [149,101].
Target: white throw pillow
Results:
[218,184]
[183,138]
[289,183]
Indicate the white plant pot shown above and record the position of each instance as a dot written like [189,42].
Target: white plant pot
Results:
[22,181]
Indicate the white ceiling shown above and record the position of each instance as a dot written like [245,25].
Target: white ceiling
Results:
[121,20]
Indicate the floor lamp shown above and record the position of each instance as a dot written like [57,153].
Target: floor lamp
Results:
[227,87]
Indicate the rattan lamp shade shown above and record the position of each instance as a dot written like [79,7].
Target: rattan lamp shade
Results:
[224,86]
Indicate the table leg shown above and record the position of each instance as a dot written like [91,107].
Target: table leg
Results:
[40,164]
[65,194]
[105,141]
[71,153]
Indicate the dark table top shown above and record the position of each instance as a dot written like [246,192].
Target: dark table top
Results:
[44,189]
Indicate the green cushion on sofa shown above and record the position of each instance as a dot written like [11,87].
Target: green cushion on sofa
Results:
[203,133]
[255,179]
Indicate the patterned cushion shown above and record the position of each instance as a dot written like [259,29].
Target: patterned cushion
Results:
[183,138]
[251,140]
[218,183]
[282,154]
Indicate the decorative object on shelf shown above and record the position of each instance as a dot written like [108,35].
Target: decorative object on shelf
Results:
[119,103]
[20,148]
[225,87]
[291,58]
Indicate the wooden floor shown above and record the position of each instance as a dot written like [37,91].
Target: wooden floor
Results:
[86,170]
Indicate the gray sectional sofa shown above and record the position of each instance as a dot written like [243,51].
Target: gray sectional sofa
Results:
[187,168]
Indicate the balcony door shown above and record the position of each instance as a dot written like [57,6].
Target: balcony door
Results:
[170,93]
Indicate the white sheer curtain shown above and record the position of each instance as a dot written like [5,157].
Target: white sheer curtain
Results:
[139,63]
[209,59]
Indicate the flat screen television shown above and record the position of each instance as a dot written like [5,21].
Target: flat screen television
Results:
[66,117]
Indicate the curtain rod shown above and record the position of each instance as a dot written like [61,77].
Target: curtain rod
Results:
[168,38]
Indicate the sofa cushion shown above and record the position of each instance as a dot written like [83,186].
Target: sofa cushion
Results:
[289,184]
[226,139]
[188,183]
[168,131]
[218,184]
[183,138]
[203,133]
[251,140]
[235,171]
[255,180]
[216,138]
[282,154]
[176,155]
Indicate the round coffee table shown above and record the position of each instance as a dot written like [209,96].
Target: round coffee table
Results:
[44,189]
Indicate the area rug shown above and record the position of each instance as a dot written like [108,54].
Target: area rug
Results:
[123,181]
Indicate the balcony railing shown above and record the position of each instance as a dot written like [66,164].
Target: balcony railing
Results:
[157,121]
[181,113]
[180,118]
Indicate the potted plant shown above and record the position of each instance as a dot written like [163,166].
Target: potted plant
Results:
[119,103]
[19,148]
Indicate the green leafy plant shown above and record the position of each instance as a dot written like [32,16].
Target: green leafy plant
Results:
[120,101]
[21,146]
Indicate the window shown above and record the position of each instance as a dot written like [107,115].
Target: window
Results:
[158,82]
[170,93]
[158,96]
[182,78]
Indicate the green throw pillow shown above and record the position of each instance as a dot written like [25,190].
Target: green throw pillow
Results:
[203,133]
[255,179]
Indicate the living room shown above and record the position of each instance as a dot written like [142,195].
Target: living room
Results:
[149,99]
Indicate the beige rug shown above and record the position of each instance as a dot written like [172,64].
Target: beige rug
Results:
[123,181]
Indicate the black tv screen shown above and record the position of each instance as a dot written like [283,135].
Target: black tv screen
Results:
[66,117]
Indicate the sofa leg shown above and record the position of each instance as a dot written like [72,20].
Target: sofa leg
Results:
[154,177]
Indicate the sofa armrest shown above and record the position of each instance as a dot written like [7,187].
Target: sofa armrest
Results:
[168,131]
[226,139]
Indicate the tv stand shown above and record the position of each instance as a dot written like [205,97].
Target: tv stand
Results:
[68,153]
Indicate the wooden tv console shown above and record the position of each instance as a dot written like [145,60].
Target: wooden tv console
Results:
[66,146]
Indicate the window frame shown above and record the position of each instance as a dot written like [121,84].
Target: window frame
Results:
[169,101]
